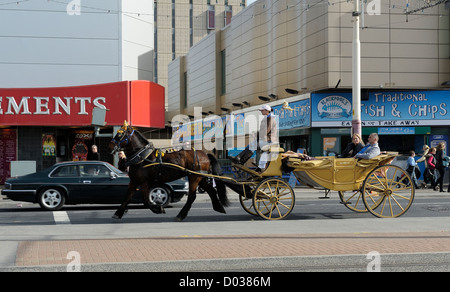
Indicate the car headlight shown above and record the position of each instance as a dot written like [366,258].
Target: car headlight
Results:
[7,186]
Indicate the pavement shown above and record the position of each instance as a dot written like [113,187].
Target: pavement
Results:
[233,246]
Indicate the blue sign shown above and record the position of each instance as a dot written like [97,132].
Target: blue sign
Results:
[382,109]
[397,131]
[298,117]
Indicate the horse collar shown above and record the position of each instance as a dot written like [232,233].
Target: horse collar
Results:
[140,156]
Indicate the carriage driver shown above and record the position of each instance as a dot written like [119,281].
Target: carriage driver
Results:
[268,134]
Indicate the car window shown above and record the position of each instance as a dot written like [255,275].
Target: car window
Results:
[65,171]
[94,170]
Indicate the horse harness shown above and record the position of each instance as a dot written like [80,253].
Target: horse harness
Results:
[142,155]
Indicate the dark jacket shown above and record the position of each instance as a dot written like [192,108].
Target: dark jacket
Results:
[439,158]
[352,149]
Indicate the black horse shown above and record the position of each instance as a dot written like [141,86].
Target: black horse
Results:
[148,166]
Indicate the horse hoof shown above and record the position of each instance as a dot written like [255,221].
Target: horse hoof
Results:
[178,219]
[115,217]
[220,210]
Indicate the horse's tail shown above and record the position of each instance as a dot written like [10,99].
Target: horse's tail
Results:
[220,185]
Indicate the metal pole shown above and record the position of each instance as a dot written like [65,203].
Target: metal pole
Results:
[356,72]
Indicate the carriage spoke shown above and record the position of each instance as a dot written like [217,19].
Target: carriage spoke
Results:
[400,196]
[398,204]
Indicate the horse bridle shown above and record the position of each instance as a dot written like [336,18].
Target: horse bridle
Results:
[125,137]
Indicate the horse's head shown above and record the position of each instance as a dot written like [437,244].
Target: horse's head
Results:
[122,138]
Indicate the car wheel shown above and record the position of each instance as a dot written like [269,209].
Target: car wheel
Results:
[159,195]
[51,199]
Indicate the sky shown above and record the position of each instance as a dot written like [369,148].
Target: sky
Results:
[250,2]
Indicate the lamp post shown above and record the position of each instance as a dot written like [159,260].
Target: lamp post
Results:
[356,72]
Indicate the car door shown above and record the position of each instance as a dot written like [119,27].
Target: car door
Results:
[67,176]
[99,186]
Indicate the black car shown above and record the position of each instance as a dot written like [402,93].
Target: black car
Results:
[85,182]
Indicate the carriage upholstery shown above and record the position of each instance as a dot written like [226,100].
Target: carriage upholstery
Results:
[338,174]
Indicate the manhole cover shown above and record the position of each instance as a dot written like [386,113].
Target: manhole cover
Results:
[438,208]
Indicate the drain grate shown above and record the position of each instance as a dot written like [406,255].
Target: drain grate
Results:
[438,208]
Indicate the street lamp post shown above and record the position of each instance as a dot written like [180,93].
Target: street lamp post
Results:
[356,72]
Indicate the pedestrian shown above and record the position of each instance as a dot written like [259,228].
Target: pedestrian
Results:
[440,166]
[411,167]
[353,147]
[423,159]
[94,155]
[430,167]
[122,165]
[371,149]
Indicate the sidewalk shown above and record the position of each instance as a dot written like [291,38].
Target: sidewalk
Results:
[37,253]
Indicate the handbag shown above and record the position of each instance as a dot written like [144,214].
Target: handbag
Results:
[410,169]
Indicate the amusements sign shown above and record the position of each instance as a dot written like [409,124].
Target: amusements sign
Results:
[8,145]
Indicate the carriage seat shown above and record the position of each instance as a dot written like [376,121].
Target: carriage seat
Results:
[272,148]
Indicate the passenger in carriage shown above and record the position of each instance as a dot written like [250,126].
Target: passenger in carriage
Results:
[371,150]
[353,147]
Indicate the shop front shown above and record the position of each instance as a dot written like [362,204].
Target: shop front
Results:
[294,125]
[48,125]
[404,120]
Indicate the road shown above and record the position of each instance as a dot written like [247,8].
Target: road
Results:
[320,234]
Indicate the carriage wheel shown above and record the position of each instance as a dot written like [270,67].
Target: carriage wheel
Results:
[353,200]
[384,195]
[246,201]
[273,199]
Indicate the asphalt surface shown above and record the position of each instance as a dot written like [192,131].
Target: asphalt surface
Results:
[356,244]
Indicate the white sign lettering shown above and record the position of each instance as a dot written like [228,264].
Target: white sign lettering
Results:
[43,107]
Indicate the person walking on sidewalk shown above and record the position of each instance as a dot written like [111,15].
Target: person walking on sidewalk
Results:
[440,166]
[411,167]
[430,167]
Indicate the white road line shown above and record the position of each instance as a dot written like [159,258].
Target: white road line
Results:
[61,217]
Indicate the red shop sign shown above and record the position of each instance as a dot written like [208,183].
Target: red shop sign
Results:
[140,102]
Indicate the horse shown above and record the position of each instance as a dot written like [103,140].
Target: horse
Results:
[149,166]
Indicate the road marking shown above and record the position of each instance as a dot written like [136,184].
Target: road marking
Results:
[61,217]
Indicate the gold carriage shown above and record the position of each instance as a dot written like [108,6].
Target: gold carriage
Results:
[365,185]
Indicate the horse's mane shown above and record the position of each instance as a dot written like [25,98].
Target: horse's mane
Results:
[141,137]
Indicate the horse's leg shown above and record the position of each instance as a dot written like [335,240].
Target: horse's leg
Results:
[193,183]
[119,213]
[217,206]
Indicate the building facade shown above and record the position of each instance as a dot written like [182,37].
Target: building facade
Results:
[306,48]
[62,59]
[52,43]
[52,124]
[182,23]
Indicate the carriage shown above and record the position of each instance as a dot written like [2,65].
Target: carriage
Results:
[365,185]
